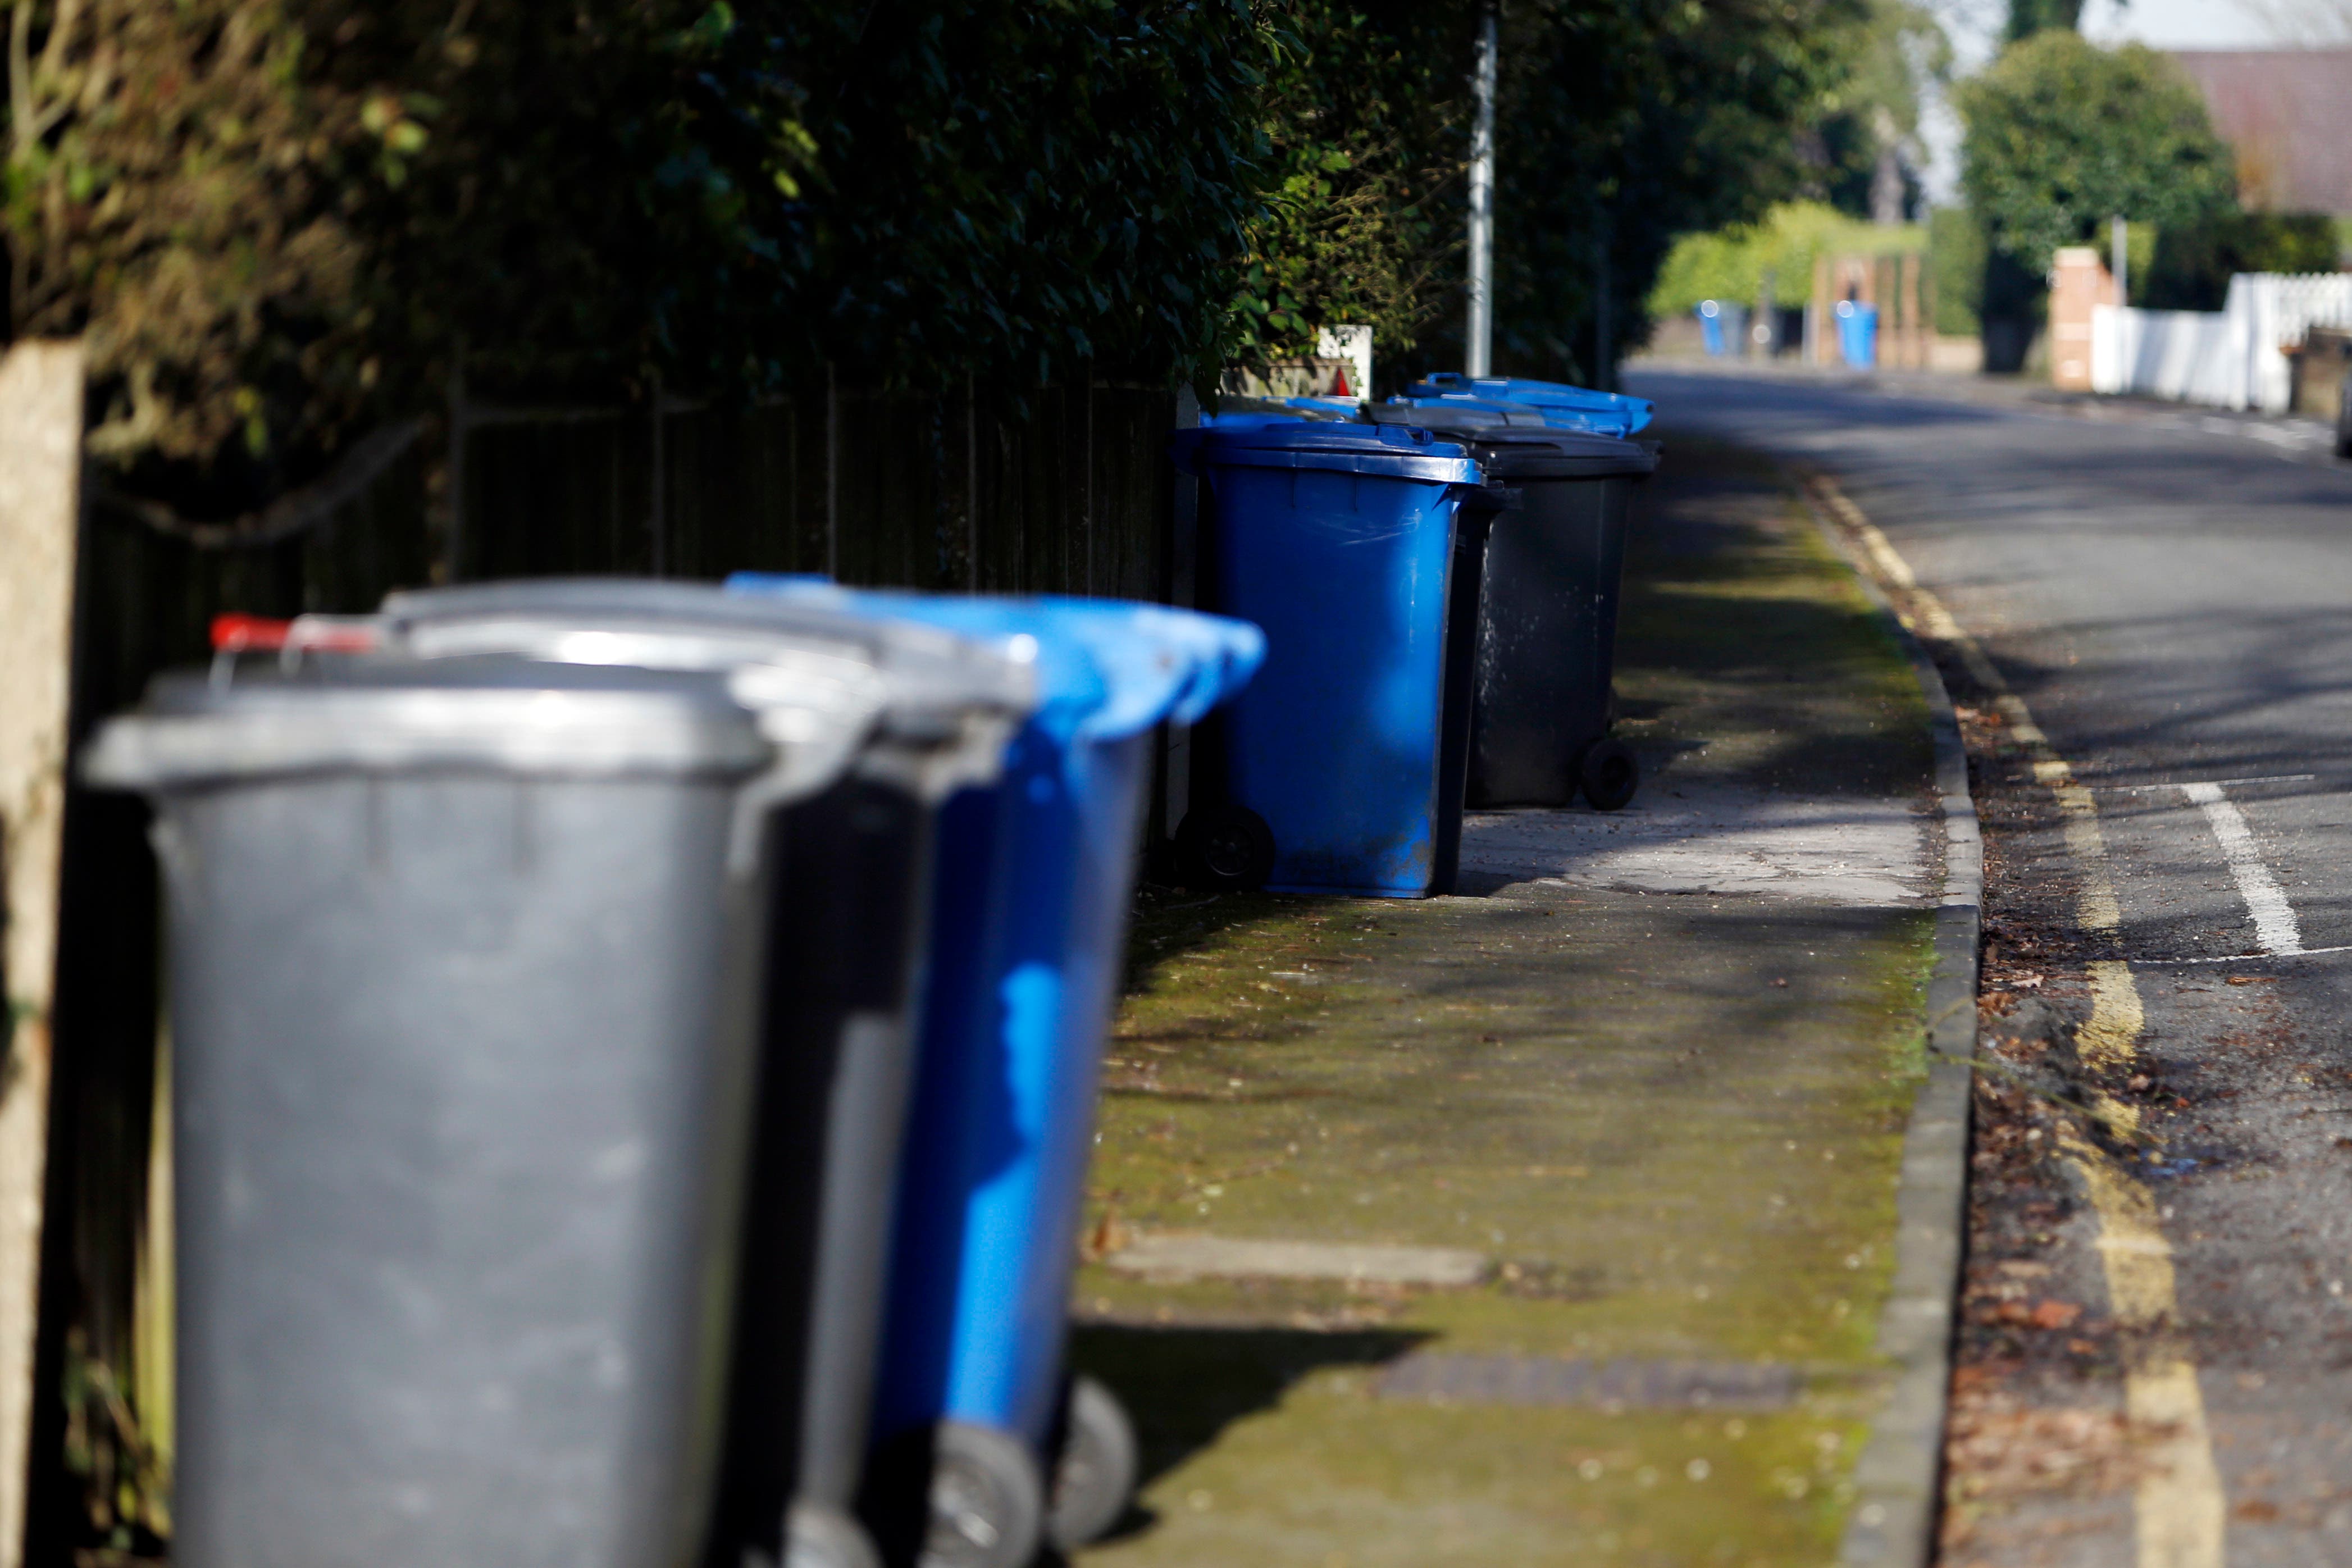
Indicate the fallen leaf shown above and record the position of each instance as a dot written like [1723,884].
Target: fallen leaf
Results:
[2056,1315]
[2252,979]
[2029,981]
[2257,1511]
[1782,985]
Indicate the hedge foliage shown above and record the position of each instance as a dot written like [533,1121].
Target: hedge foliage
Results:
[283,222]
[1733,263]
[279,221]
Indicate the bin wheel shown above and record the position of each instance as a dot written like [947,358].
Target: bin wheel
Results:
[1608,774]
[1094,1474]
[826,1538]
[1225,848]
[987,1505]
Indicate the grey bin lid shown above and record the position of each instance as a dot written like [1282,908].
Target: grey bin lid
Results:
[920,705]
[1521,452]
[381,716]
[1458,419]
[925,682]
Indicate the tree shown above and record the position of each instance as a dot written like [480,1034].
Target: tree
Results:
[2062,135]
[1864,138]
[2027,17]
[1627,123]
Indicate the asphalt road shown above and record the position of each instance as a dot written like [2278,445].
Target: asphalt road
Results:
[2171,592]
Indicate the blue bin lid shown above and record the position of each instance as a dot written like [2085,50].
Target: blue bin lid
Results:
[1235,421]
[1635,411]
[1239,411]
[1106,667]
[1395,451]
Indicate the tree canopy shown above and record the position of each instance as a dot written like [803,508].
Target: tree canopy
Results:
[2062,135]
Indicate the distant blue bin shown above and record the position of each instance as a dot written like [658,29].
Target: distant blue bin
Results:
[1857,334]
[1577,407]
[1338,539]
[1710,326]
[1028,943]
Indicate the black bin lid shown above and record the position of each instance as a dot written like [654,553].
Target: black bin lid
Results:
[1526,452]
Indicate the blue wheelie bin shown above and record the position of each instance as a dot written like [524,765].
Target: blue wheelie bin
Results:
[1857,327]
[982,1444]
[1338,539]
[1578,407]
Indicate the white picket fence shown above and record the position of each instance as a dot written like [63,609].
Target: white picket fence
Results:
[2232,358]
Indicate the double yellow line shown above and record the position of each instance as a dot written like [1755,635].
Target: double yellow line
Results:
[2177,1511]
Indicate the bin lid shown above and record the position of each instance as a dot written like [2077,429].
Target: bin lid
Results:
[1106,667]
[923,678]
[1459,416]
[1636,412]
[1236,411]
[1394,451]
[1521,452]
[376,714]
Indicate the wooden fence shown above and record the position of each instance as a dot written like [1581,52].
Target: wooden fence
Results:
[1062,489]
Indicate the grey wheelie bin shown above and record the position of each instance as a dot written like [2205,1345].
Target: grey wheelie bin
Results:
[849,870]
[461,1081]
[1547,627]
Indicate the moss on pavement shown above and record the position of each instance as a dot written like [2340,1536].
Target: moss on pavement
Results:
[1672,1123]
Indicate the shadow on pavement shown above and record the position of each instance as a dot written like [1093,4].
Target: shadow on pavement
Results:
[1185,1384]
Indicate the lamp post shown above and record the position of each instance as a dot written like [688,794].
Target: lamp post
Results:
[1478,339]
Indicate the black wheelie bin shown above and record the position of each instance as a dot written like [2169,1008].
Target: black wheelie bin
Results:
[1546,631]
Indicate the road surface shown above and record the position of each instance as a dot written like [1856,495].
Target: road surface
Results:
[2168,595]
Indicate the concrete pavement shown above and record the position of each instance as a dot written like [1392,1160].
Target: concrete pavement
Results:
[1550,1224]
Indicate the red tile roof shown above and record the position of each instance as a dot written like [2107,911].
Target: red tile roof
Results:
[2288,113]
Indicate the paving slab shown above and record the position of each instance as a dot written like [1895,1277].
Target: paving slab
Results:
[1644,1093]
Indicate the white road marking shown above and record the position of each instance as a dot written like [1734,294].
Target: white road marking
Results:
[2249,957]
[2225,783]
[2274,922]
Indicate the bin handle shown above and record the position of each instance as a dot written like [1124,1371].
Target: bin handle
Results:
[815,743]
[237,633]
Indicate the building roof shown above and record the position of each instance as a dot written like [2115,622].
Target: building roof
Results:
[2288,113]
